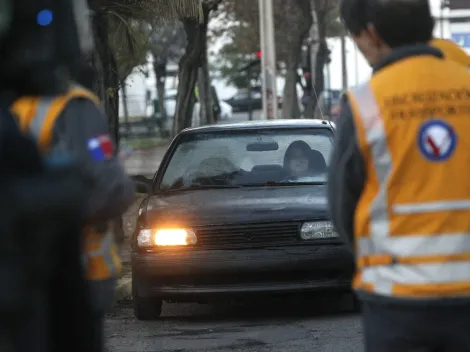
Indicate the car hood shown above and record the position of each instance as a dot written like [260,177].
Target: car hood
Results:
[225,206]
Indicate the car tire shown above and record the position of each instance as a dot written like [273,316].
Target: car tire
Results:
[356,305]
[145,308]
[353,304]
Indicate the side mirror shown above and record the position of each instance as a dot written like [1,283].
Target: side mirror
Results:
[142,184]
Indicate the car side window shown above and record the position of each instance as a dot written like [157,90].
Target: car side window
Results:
[240,96]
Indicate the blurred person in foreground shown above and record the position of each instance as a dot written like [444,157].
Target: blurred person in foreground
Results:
[66,123]
[398,186]
[451,51]
[44,300]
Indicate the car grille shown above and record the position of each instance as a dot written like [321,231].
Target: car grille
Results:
[248,235]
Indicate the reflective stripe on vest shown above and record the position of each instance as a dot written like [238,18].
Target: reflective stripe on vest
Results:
[37,116]
[103,259]
[408,265]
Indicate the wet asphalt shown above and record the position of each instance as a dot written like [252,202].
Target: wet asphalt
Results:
[324,325]
[320,324]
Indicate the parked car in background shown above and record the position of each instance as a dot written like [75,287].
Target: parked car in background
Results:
[226,112]
[242,102]
[226,216]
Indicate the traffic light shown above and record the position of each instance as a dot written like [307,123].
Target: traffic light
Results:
[252,63]
[328,56]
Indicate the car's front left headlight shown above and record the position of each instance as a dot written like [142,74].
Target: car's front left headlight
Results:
[314,230]
[166,237]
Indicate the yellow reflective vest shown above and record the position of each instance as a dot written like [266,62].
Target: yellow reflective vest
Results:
[37,116]
[452,51]
[412,221]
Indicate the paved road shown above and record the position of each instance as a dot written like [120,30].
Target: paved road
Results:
[274,326]
[326,326]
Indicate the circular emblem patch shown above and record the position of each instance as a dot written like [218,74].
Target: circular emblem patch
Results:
[437,140]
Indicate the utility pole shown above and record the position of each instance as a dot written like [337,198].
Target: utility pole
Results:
[344,68]
[268,59]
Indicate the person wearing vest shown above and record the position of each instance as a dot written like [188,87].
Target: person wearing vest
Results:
[74,123]
[452,51]
[398,186]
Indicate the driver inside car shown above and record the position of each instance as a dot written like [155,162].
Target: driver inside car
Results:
[211,171]
[297,161]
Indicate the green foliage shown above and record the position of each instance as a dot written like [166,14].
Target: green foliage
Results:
[167,42]
[240,24]
[130,42]
[234,57]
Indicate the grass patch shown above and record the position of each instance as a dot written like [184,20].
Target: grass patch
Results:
[146,143]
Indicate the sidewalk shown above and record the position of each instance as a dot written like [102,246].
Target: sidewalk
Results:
[123,289]
[143,162]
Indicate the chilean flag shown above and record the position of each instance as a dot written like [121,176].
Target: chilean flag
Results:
[100,148]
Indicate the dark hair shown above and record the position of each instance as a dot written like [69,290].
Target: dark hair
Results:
[399,22]
[303,146]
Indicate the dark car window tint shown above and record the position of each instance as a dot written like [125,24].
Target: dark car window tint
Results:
[223,158]
[240,96]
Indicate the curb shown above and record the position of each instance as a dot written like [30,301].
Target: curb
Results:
[123,288]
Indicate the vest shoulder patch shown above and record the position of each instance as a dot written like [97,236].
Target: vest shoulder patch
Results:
[437,140]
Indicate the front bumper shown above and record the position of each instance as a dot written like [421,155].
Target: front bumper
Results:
[181,274]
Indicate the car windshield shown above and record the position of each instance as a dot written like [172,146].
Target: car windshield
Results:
[245,158]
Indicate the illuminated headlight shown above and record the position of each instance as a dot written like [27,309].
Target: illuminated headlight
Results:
[166,237]
[313,230]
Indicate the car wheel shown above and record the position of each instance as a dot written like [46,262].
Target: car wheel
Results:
[353,304]
[145,308]
[356,305]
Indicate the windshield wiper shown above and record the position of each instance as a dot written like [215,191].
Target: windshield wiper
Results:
[197,187]
[285,183]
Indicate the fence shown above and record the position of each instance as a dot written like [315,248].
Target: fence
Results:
[143,128]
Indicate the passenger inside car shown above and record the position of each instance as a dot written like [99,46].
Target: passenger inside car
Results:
[318,162]
[297,160]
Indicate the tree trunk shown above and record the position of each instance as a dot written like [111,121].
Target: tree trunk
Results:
[319,52]
[307,68]
[196,34]
[320,81]
[314,46]
[159,68]
[320,60]
[107,89]
[107,73]
[290,105]
[205,96]
[124,100]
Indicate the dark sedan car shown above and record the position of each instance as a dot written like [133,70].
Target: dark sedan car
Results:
[236,210]
[243,102]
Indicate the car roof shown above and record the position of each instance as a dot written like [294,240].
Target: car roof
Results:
[247,125]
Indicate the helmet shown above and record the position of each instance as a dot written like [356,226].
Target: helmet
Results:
[452,51]
[36,54]
[5,17]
